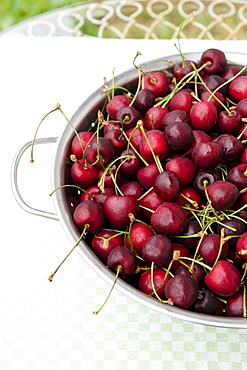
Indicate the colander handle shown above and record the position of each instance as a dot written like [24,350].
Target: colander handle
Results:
[14,179]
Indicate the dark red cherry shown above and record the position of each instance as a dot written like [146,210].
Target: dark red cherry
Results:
[132,188]
[148,281]
[237,175]
[217,61]
[241,246]
[145,99]
[207,155]
[231,146]
[129,163]
[169,219]
[236,304]
[183,251]
[80,142]
[210,248]
[193,270]
[179,135]
[213,82]
[203,178]
[157,249]
[242,107]
[104,242]
[147,175]
[167,186]
[91,214]
[117,209]
[231,228]
[175,116]
[99,152]
[134,135]
[121,257]
[206,302]
[217,99]
[128,116]
[151,201]
[229,123]
[181,101]
[82,174]
[181,290]
[181,69]
[223,194]
[230,72]
[117,140]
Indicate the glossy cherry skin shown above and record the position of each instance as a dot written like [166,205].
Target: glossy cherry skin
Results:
[189,198]
[116,103]
[206,303]
[147,175]
[229,123]
[203,115]
[195,271]
[217,60]
[175,116]
[183,251]
[181,101]
[151,201]
[132,188]
[204,178]
[181,290]
[104,242]
[169,219]
[242,107]
[80,142]
[223,194]
[183,167]
[153,118]
[123,257]
[157,82]
[134,135]
[235,304]
[207,155]
[241,246]
[83,175]
[90,213]
[231,146]
[157,249]
[145,99]
[139,233]
[99,152]
[238,176]
[230,72]
[213,82]
[160,279]
[238,88]
[179,135]
[117,209]
[129,163]
[224,279]
[117,140]
[167,186]
[128,116]
[209,248]
[181,69]
[156,140]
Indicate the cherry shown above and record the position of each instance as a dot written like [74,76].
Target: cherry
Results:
[99,152]
[169,219]
[190,198]
[230,72]
[193,270]
[83,175]
[229,123]
[242,107]
[231,228]
[204,177]
[134,136]
[147,175]
[117,140]
[151,201]
[183,167]
[175,116]
[224,279]
[241,246]
[238,88]
[128,116]
[238,176]
[153,118]
[80,142]
[117,209]
[232,147]
[209,248]
[156,279]
[116,103]
[236,304]
[223,194]
[101,196]
[183,252]
[89,193]
[217,61]
[129,163]
[181,69]
[206,302]
[167,186]
[157,82]
[138,235]
[108,177]
[181,291]
[182,100]
[188,236]
[244,156]
[132,188]
[213,82]
[153,144]
[157,249]
[144,100]
[104,242]
[203,115]
[91,214]
[217,99]
[207,155]
[179,135]
[123,259]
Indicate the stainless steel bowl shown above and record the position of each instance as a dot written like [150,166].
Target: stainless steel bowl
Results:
[81,120]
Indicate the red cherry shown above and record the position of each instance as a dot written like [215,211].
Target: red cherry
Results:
[116,103]
[241,246]
[181,290]
[168,219]
[117,209]
[158,279]
[157,82]
[238,88]
[104,242]
[217,60]
[224,279]
[138,235]
[223,194]
[203,115]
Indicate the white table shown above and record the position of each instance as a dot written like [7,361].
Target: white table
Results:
[50,325]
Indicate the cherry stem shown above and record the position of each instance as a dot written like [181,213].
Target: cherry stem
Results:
[119,268]
[86,226]
[71,186]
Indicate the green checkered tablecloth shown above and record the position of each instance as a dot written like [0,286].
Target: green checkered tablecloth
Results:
[50,325]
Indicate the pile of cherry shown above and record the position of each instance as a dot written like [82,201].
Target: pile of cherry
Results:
[161,184]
